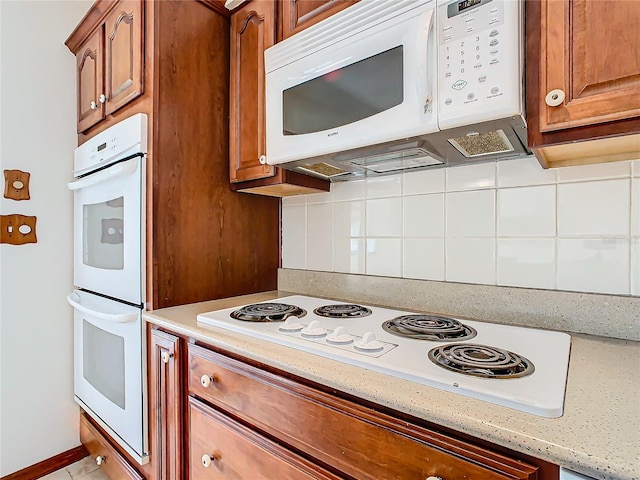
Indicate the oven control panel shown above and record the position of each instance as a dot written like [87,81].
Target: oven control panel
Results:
[479,60]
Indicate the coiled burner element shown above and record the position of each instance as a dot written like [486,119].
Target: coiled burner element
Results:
[342,310]
[267,312]
[429,327]
[481,361]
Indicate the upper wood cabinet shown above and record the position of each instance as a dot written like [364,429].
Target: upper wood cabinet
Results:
[253,30]
[109,60]
[583,80]
[300,14]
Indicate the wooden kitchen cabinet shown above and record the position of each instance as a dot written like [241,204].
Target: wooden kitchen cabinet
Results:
[583,81]
[357,441]
[109,59]
[253,30]
[165,405]
[299,14]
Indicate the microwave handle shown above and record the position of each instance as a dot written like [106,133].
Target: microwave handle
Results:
[110,317]
[123,169]
[431,49]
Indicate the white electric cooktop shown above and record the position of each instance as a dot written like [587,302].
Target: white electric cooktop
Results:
[535,362]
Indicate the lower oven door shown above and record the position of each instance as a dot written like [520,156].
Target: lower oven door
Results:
[109,370]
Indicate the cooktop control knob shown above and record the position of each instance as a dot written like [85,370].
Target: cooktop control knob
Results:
[369,344]
[314,330]
[291,324]
[339,337]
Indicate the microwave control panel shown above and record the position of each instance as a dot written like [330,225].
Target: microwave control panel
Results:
[479,60]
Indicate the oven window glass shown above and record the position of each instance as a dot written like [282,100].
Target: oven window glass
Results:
[344,96]
[103,362]
[103,234]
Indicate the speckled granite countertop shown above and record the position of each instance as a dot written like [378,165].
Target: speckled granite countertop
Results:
[598,435]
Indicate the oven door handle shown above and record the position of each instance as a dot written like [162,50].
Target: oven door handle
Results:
[73,300]
[123,169]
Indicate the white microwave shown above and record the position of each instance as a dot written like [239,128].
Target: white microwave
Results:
[384,86]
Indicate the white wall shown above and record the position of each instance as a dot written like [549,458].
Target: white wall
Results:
[38,417]
[507,223]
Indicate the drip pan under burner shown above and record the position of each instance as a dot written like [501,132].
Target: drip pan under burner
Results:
[481,361]
[342,310]
[429,327]
[267,312]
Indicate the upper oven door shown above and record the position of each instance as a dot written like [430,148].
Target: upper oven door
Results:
[109,230]
[376,82]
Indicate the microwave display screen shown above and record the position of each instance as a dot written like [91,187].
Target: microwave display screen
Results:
[345,95]
[468,4]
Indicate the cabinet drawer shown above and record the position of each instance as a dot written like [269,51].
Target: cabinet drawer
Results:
[354,439]
[114,465]
[223,449]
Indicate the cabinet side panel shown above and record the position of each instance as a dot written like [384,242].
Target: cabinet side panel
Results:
[208,242]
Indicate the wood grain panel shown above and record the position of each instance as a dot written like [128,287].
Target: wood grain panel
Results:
[89,68]
[165,406]
[359,441]
[300,14]
[124,54]
[238,453]
[208,242]
[252,31]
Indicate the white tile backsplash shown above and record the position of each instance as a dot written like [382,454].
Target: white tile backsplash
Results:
[424,181]
[320,236]
[471,260]
[386,186]
[524,172]
[575,228]
[294,236]
[527,211]
[527,262]
[599,208]
[423,215]
[594,265]
[471,177]
[597,171]
[423,258]
[471,214]
[384,217]
[384,257]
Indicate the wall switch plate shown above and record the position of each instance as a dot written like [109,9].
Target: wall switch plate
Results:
[16,185]
[17,229]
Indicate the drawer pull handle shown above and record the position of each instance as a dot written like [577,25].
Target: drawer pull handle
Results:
[100,459]
[166,356]
[206,380]
[434,478]
[207,459]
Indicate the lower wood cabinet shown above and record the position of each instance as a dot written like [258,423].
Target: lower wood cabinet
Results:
[110,460]
[242,421]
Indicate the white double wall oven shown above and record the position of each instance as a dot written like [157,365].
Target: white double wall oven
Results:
[109,294]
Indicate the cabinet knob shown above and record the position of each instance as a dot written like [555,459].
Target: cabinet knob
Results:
[206,380]
[100,459]
[207,459]
[263,159]
[102,98]
[554,98]
[434,478]
[93,105]
[166,356]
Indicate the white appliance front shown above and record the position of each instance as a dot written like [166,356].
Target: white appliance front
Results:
[109,229]
[109,368]
[329,91]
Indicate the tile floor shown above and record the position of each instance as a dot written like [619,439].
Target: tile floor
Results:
[85,469]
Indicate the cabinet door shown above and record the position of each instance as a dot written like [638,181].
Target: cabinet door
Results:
[165,410]
[590,54]
[89,68]
[252,31]
[124,54]
[300,14]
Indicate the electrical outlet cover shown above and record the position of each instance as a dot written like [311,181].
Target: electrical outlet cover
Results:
[17,229]
[16,185]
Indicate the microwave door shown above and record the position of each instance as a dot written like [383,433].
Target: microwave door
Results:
[108,231]
[368,88]
[108,366]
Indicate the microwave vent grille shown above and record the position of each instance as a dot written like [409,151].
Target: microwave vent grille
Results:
[323,170]
[478,144]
